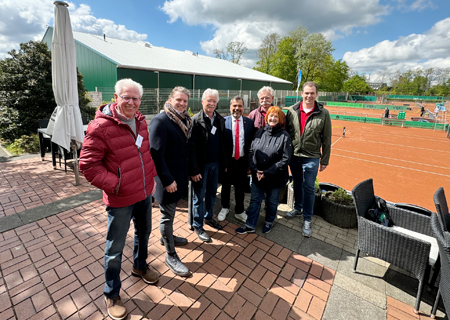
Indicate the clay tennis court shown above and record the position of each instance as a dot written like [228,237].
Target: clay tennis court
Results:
[407,164]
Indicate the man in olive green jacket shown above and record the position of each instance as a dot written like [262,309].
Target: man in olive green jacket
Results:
[309,125]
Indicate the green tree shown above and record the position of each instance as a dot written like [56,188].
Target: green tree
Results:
[266,53]
[313,55]
[233,52]
[331,78]
[26,88]
[357,84]
[285,65]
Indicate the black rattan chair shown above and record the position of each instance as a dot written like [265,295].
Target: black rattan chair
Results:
[386,243]
[439,225]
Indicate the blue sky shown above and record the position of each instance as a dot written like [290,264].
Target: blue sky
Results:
[370,35]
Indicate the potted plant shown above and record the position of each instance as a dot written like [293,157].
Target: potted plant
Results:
[338,209]
[319,187]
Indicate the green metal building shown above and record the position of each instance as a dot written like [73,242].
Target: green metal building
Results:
[103,61]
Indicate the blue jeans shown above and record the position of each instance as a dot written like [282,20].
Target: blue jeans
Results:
[118,226]
[205,188]
[304,171]
[258,194]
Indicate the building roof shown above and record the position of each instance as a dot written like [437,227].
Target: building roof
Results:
[143,55]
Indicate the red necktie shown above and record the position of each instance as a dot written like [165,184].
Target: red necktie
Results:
[236,141]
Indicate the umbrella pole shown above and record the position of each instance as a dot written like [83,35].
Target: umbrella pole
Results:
[75,164]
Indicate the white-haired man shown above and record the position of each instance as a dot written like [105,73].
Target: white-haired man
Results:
[116,158]
[207,157]
[266,96]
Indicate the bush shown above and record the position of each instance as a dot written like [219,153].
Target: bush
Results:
[25,144]
[9,119]
[340,196]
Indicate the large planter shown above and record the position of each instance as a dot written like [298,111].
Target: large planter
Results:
[343,216]
[323,187]
[317,198]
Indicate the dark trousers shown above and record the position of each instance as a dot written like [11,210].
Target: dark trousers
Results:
[236,175]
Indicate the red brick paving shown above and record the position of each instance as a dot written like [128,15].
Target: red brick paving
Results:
[397,310]
[53,268]
[30,183]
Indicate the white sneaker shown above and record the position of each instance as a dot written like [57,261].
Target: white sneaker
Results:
[241,216]
[223,214]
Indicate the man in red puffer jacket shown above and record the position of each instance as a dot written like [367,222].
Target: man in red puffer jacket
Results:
[116,158]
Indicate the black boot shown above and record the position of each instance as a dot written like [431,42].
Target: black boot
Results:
[178,241]
[176,266]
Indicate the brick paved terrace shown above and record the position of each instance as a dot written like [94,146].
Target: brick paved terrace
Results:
[52,268]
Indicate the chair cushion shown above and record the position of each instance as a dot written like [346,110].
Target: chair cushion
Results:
[434,250]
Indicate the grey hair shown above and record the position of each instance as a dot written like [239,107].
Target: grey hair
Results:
[180,89]
[310,84]
[128,83]
[266,88]
[210,92]
[236,98]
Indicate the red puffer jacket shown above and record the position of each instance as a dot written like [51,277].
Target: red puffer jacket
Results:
[110,158]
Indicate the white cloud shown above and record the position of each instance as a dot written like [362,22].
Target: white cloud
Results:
[415,5]
[430,49]
[237,20]
[22,21]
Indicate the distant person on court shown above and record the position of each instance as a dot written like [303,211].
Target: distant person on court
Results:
[269,157]
[266,96]
[436,111]
[422,110]
[169,133]
[239,132]
[309,125]
[386,113]
[116,159]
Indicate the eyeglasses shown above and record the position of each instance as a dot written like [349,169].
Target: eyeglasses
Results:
[127,98]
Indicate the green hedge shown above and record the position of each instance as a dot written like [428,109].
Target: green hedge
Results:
[383,106]
[344,104]
[412,124]
[403,97]
[363,98]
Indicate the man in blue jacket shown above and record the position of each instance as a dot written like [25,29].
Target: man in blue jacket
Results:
[239,132]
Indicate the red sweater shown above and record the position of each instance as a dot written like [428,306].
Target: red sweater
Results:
[109,158]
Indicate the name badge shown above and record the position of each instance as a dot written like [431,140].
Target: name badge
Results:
[139,140]
[213,130]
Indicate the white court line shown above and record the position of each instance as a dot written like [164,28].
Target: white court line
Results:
[376,133]
[374,155]
[392,165]
[340,138]
[400,145]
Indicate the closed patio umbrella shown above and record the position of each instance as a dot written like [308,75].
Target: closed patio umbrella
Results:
[67,130]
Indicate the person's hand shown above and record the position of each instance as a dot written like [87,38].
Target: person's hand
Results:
[259,175]
[196,178]
[172,187]
[322,167]
[154,188]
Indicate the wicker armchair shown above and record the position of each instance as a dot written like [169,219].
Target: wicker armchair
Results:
[439,225]
[386,243]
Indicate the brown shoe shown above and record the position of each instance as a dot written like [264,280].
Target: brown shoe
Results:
[116,309]
[149,276]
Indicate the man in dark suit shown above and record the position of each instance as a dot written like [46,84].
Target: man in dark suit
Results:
[169,133]
[207,157]
[239,132]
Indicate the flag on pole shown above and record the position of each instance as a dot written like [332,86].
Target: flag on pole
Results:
[299,79]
